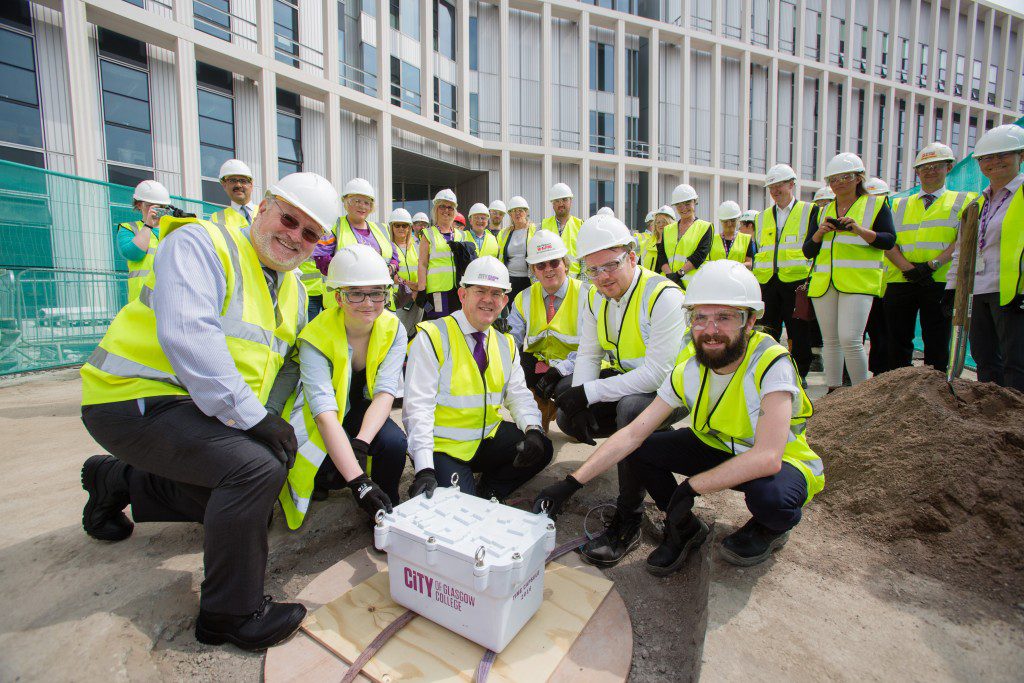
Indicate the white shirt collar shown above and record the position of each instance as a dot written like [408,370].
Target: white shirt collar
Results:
[938,193]
[251,206]
[560,292]
[787,207]
[463,321]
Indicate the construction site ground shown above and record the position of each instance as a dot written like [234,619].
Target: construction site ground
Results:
[831,605]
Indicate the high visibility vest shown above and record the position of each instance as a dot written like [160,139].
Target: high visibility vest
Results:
[327,334]
[569,234]
[230,217]
[490,246]
[647,245]
[441,266]
[627,351]
[311,277]
[737,250]
[346,238]
[409,261]
[680,248]
[504,238]
[129,362]
[782,254]
[730,424]
[922,235]
[466,410]
[556,339]
[846,261]
[138,271]
[1011,249]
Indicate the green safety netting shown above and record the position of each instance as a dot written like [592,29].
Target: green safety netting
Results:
[61,277]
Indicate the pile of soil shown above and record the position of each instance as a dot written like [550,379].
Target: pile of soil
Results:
[937,478]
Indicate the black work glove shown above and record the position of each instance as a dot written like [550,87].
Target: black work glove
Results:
[423,482]
[948,300]
[913,274]
[275,431]
[681,503]
[362,452]
[421,299]
[925,271]
[534,450]
[676,278]
[573,402]
[548,381]
[552,498]
[1016,304]
[369,496]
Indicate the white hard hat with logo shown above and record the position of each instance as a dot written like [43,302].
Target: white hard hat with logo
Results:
[779,173]
[877,187]
[559,191]
[420,217]
[360,187]
[725,283]
[312,194]
[668,211]
[545,245]
[151,192]
[446,195]
[605,211]
[478,209]
[1005,138]
[824,192]
[935,151]
[683,192]
[487,271]
[498,205]
[844,162]
[518,202]
[728,210]
[357,265]
[602,232]
[233,167]
[749,216]
[399,215]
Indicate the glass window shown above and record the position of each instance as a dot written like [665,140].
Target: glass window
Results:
[122,48]
[474,113]
[444,102]
[213,193]
[941,85]
[405,85]
[216,130]
[212,17]
[602,132]
[125,97]
[129,177]
[16,13]
[760,22]
[23,156]
[602,66]
[632,72]
[602,193]
[405,17]
[444,28]
[289,133]
[20,122]
[474,46]
[286,32]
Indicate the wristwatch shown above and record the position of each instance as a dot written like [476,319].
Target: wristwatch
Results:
[935,264]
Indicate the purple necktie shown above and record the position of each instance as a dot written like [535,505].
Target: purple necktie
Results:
[480,351]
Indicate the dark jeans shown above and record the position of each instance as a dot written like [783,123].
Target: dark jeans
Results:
[189,467]
[779,299]
[903,302]
[316,304]
[775,501]
[997,341]
[877,332]
[493,461]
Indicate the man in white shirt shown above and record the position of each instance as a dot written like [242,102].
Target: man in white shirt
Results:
[460,372]
[236,179]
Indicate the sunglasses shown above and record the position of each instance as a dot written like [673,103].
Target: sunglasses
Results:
[292,223]
[544,265]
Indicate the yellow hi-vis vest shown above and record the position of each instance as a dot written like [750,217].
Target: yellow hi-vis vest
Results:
[409,261]
[553,340]
[467,405]
[138,271]
[569,234]
[679,248]
[504,237]
[647,245]
[327,334]
[230,217]
[922,235]
[731,423]
[345,238]
[441,266]
[737,251]
[1011,249]
[490,246]
[627,351]
[845,261]
[129,362]
[782,253]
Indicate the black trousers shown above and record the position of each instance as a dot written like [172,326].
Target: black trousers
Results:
[903,302]
[997,341]
[189,467]
[779,299]
[877,331]
[493,461]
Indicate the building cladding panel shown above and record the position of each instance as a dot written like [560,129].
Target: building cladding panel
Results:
[729,93]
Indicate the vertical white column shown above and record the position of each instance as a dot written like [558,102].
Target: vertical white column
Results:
[546,88]
[986,60]
[620,189]
[954,29]
[183,13]
[384,177]
[895,55]
[798,121]
[972,22]
[684,105]
[83,93]
[265,29]
[826,31]
[583,193]
[822,125]
[890,150]
[1003,86]
[849,125]
[913,64]
[933,51]
[620,91]
[188,117]
[870,150]
[506,175]
[773,29]
[332,67]
[773,112]
[383,51]
[427,58]
[583,79]
[462,64]
[546,181]
[872,38]
[798,39]
[332,126]
[654,94]
[716,107]
[744,131]
[503,77]
[268,124]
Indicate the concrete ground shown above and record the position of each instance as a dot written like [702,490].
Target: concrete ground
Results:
[825,607]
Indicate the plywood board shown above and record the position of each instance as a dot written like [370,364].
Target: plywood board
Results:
[424,651]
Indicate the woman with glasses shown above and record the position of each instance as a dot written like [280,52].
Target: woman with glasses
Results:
[512,244]
[351,359]
[848,248]
[407,250]
[436,275]
[652,242]
[729,243]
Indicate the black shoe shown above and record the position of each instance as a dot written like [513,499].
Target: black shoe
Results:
[621,536]
[679,541]
[751,544]
[272,623]
[104,479]
[816,364]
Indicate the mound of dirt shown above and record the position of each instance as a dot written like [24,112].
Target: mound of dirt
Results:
[938,478]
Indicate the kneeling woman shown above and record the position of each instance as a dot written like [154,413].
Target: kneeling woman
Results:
[351,362]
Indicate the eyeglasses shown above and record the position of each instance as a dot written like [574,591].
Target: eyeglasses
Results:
[376,296]
[842,178]
[445,207]
[725,322]
[998,156]
[610,267]
[292,223]
[544,265]
[486,292]
[237,181]
[359,201]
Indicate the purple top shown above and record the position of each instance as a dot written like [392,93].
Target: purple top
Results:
[327,247]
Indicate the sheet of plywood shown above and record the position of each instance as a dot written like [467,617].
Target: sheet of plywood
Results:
[424,651]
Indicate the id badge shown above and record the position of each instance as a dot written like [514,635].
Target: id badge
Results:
[438,301]
[979,265]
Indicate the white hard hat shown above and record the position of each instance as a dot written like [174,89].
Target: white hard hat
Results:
[1005,138]
[824,192]
[486,271]
[683,193]
[650,217]
[779,173]
[357,265]
[844,162]
[545,245]
[876,186]
[605,211]
[359,186]
[497,205]
[420,217]
[445,195]
[234,167]
[668,211]
[152,192]
[935,151]
[400,215]
[725,283]
[518,202]
[728,210]
[312,194]
[478,208]
[602,232]
[749,216]
[559,191]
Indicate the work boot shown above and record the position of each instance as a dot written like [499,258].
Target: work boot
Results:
[621,536]
[680,538]
[272,623]
[752,543]
[105,479]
